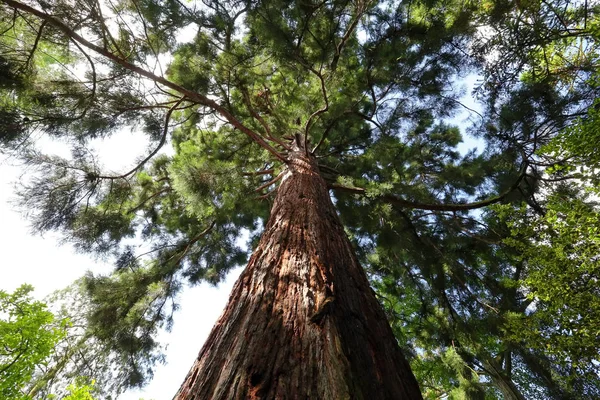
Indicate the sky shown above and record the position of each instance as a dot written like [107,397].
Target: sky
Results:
[42,262]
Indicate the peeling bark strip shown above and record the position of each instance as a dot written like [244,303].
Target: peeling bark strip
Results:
[302,321]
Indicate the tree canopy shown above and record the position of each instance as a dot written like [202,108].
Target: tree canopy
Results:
[483,253]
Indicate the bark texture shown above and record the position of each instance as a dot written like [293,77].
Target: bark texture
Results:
[302,321]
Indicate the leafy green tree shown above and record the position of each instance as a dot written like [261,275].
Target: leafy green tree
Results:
[79,356]
[79,391]
[27,338]
[274,108]
[48,355]
[560,278]
[559,251]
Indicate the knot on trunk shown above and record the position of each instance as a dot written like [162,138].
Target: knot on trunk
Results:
[323,310]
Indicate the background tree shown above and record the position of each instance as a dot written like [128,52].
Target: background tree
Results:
[36,352]
[79,357]
[27,337]
[367,92]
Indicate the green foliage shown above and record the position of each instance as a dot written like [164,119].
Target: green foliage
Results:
[577,145]
[127,309]
[191,67]
[560,250]
[27,337]
[375,88]
[80,390]
[83,355]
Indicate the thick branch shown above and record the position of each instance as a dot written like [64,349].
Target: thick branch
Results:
[263,172]
[399,201]
[35,45]
[324,135]
[193,96]
[194,240]
[143,202]
[272,181]
[349,31]
[261,120]
[318,112]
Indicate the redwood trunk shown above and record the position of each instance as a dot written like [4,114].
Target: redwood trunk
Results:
[302,321]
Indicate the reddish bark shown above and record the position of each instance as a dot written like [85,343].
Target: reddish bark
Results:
[302,321]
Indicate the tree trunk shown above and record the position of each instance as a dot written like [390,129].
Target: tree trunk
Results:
[302,321]
[509,390]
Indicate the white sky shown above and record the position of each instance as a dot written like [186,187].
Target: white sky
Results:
[41,262]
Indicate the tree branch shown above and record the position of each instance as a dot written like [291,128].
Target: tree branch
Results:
[324,135]
[94,77]
[193,241]
[263,172]
[105,31]
[143,202]
[272,181]
[261,120]
[399,201]
[162,142]
[318,112]
[191,95]
[340,47]
[35,45]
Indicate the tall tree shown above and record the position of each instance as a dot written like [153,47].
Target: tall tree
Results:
[275,109]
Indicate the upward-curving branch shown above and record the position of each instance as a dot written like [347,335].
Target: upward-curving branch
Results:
[399,201]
